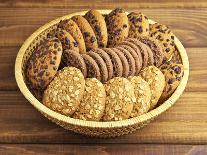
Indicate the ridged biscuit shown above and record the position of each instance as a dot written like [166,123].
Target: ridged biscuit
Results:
[64,93]
[92,105]
[98,24]
[119,99]
[87,32]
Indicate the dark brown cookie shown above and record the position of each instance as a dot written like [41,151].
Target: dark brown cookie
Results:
[117,64]
[150,56]
[124,61]
[93,70]
[74,59]
[101,64]
[107,60]
[130,60]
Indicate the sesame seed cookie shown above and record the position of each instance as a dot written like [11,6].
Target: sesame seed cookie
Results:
[64,93]
[143,95]
[71,27]
[93,70]
[138,25]
[173,75]
[92,105]
[156,80]
[43,63]
[117,26]
[101,64]
[119,99]
[87,32]
[117,64]
[156,49]
[124,61]
[74,59]
[165,37]
[107,60]
[130,60]
[98,24]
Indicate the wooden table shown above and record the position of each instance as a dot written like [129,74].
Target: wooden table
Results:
[180,130]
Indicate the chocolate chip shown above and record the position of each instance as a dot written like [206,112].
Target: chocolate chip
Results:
[54,68]
[47,74]
[177,69]
[172,37]
[170,81]
[40,74]
[167,49]
[52,62]
[59,49]
[178,78]
[55,58]
[140,29]
[35,70]
[67,41]
[165,44]
[139,19]
[97,28]
[75,44]
[86,34]
[55,45]
[125,26]
[93,39]
[167,40]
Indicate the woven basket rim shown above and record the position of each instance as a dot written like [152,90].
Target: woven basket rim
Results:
[92,124]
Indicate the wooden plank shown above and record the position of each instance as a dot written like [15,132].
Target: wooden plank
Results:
[188,24]
[197,57]
[105,149]
[184,123]
[105,4]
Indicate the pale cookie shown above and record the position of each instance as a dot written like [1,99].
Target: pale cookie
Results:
[138,25]
[119,99]
[87,32]
[43,63]
[143,95]
[64,93]
[71,27]
[117,27]
[156,80]
[98,24]
[92,105]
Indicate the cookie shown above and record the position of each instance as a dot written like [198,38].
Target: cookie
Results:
[119,99]
[130,60]
[98,24]
[156,81]
[117,64]
[176,58]
[43,63]
[137,58]
[74,59]
[64,93]
[124,61]
[165,38]
[92,105]
[93,70]
[173,75]
[87,32]
[143,95]
[138,25]
[107,61]
[71,27]
[117,26]
[156,49]
[101,64]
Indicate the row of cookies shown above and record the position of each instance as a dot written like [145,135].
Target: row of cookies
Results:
[88,99]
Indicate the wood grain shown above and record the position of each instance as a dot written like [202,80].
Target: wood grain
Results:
[184,123]
[105,149]
[188,24]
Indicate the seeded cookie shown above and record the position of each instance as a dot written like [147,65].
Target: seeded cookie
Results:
[101,64]
[93,70]
[117,27]
[138,25]
[156,49]
[143,95]
[165,37]
[124,61]
[92,105]
[117,64]
[71,27]
[130,60]
[173,75]
[64,93]
[107,61]
[87,32]
[98,24]
[74,59]
[119,99]
[156,80]
[43,63]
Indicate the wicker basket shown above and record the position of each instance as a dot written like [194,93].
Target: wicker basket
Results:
[91,128]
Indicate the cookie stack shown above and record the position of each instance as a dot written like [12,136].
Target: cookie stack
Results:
[109,68]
